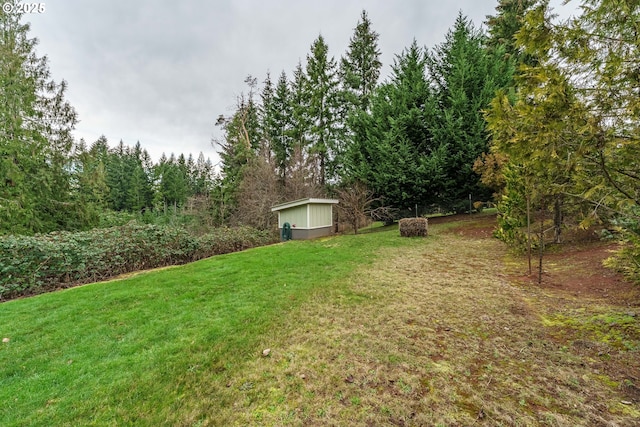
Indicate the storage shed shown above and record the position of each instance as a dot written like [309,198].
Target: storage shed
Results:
[308,218]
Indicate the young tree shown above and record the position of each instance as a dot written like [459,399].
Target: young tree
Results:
[356,205]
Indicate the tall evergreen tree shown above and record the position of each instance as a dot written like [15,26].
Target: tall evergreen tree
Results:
[505,24]
[266,118]
[466,77]
[301,123]
[394,153]
[360,67]
[35,141]
[322,88]
[280,127]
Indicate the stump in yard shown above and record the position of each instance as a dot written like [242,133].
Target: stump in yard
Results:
[413,227]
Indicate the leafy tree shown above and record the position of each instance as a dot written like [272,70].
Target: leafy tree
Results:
[574,124]
[601,50]
[266,120]
[359,74]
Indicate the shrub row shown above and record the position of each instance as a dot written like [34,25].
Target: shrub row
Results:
[35,264]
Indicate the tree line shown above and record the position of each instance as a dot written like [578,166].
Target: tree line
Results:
[411,140]
[49,181]
[539,114]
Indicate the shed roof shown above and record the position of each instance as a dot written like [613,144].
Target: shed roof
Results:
[300,202]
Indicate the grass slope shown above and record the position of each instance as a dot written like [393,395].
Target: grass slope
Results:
[143,350]
[371,329]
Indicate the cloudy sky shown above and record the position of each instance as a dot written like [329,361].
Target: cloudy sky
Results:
[161,71]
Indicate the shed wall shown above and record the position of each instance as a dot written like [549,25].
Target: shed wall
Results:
[319,215]
[296,216]
[299,234]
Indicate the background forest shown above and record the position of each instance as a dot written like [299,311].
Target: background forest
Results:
[539,116]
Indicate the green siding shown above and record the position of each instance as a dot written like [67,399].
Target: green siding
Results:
[319,215]
[296,216]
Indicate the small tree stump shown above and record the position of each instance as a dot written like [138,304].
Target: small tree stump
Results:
[413,227]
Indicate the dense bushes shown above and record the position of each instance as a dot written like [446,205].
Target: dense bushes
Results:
[34,264]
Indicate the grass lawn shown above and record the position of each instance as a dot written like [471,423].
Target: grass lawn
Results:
[371,329]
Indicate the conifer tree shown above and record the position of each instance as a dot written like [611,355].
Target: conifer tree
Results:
[393,153]
[466,77]
[322,89]
[35,140]
[576,117]
[281,127]
[360,67]
[505,24]
[300,122]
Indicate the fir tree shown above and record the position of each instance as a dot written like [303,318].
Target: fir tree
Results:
[35,139]
[360,67]
[322,85]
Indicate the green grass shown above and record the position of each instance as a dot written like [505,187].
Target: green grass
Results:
[143,350]
[367,329]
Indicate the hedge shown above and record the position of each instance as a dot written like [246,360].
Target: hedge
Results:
[36,264]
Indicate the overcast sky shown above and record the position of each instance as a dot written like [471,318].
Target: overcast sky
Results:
[161,71]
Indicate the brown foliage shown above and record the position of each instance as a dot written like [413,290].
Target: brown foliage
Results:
[489,167]
[258,192]
[355,205]
[413,227]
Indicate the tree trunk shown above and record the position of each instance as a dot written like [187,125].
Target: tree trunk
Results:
[529,231]
[541,244]
[557,220]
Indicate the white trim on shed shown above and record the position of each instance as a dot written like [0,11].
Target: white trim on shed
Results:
[307,214]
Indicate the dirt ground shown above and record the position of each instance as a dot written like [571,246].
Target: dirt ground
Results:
[574,277]
[574,268]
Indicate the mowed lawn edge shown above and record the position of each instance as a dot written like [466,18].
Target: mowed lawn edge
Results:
[139,350]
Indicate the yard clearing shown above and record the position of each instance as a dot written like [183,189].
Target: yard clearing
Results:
[442,334]
[366,330]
